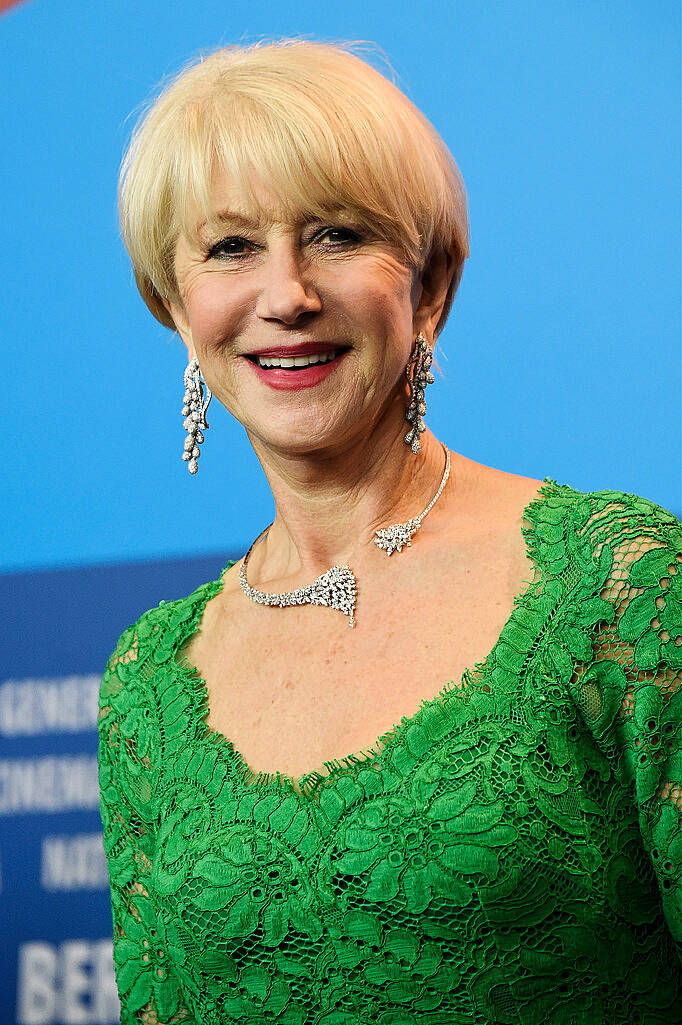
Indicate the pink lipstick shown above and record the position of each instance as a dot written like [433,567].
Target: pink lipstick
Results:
[296,378]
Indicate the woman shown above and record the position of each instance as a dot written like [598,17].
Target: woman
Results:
[508,849]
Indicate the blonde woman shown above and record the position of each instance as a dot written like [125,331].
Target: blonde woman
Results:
[414,758]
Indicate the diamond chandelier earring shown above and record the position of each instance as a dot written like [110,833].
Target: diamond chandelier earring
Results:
[194,411]
[419,363]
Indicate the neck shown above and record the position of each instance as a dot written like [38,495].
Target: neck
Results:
[330,502]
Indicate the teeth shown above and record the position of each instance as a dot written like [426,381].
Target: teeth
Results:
[296,361]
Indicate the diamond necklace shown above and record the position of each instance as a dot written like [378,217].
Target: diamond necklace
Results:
[337,588]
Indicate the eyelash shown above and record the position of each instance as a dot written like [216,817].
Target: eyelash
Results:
[215,251]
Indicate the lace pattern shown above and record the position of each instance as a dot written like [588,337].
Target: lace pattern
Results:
[510,854]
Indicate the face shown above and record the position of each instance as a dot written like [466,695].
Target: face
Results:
[272,285]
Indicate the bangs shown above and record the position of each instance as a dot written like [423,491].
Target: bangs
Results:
[314,164]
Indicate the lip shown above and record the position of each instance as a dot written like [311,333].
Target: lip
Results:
[302,349]
[282,379]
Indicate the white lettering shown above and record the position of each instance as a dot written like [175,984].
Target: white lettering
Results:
[48,784]
[33,706]
[74,862]
[36,990]
[76,983]
[106,1006]
[73,984]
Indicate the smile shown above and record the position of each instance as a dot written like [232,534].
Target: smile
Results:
[291,373]
[294,362]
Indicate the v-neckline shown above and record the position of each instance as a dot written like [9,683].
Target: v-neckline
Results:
[307,785]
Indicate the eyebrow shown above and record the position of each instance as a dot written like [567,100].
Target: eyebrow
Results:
[227,216]
[232,217]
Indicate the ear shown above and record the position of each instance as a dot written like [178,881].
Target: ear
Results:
[434,282]
[179,316]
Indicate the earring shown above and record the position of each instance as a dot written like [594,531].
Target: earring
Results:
[194,411]
[420,358]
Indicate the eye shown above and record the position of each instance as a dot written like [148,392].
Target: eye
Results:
[233,245]
[225,247]
[351,236]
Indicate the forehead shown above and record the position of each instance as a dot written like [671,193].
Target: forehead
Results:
[255,203]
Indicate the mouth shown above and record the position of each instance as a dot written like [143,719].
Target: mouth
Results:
[293,373]
[295,363]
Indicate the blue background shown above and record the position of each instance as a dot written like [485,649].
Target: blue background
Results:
[562,353]
[561,357]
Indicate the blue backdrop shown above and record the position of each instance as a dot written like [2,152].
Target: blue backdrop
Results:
[561,358]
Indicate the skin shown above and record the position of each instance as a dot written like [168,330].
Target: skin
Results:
[333,455]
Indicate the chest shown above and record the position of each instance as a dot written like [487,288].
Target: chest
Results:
[293,688]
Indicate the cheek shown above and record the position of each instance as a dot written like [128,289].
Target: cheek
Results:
[214,311]
[381,290]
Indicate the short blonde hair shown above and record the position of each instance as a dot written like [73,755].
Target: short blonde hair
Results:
[319,126]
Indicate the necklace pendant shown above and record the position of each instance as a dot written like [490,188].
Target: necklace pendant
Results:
[337,589]
[397,536]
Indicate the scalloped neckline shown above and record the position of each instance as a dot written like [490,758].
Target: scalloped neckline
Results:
[307,785]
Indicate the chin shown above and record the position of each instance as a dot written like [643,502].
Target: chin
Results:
[295,443]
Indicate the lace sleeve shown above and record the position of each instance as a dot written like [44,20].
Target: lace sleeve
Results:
[148,987]
[630,694]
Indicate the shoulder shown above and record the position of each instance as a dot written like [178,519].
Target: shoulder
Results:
[139,708]
[650,512]
[635,549]
[139,661]
[629,524]
[592,532]
[629,599]
[605,514]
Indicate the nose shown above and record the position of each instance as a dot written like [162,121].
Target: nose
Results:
[287,291]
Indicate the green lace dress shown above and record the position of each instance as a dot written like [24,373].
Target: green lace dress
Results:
[512,853]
